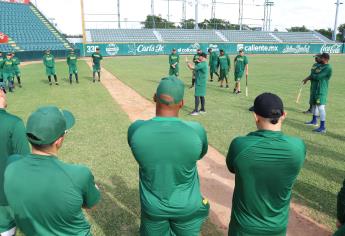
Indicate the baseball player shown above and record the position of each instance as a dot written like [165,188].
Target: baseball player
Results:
[49,62]
[174,61]
[8,72]
[16,70]
[96,65]
[46,194]
[196,61]
[13,141]
[224,65]
[167,150]
[266,164]
[320,77]
[241,67]
[213,64]
[72,62]
[201,74]
[2,85]
[341,212]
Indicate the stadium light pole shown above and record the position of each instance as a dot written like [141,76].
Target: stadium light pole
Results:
[213,9]
[196,14]
[334,35]
[83,24]
[118,14]
[153,13]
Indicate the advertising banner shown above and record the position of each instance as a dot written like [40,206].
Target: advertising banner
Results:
[3,38]
[137,49]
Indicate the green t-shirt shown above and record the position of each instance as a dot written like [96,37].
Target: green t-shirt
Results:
[174,58]
[8,66]
[96,58]
[195,59]
[266,165]
[48,60]
[46,195]
[224,62]
[322,76]
[201,75]
[72,60]
[240,63]
[213,60]
[167,150]
[12,141]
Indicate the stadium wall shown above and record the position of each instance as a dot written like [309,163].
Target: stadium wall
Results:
[137,49]
[38,55]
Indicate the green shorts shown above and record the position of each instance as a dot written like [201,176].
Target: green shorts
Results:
[223,74]
[213,69]
[238,76]
[6,219]
[166,226]
[96,68]
[73,70]
[174,71]
[50,71]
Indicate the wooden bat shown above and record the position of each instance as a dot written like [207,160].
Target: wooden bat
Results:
[246,85]
[299,94]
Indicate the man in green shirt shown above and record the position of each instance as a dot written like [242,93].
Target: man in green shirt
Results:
[196,61]
[174,61]
[266,164]
[224,65]
[16,70]
[320,77]
[241,67]
[96,65]
[167,150]
[201,74]
[72,61]
[46,194]
[341,212]
[13,141]
[8,72]
[49,62]
[213,63]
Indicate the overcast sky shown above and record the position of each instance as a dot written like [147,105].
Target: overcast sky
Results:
[314,14]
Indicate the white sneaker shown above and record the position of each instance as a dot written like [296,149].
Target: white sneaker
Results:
[194,113]
[202,112]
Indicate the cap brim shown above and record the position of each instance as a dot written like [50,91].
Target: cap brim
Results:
[70,120]
[251,109]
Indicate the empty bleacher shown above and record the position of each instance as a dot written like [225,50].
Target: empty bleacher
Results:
[122,35]
[248,36]
[298,37]
[189,35]
[5,47]
[27,29]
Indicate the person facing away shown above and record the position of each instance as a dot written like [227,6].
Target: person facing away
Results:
[266,164]
[13,141]
[167,150]
[46,194]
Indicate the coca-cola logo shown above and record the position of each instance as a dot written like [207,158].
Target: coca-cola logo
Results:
[331,48]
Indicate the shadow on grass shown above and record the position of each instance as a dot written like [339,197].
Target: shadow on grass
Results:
[325,171]
[119,210]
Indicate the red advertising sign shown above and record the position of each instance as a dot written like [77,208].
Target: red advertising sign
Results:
[3,38]
[18,1]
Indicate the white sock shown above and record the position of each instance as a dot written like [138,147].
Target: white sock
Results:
[10,232]
[322,110]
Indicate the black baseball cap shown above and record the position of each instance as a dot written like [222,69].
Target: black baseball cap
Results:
[325,56]
[268,105]
[203,55]
[317,55]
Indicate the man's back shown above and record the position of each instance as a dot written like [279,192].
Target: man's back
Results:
[167,150]
[46,195]
[266,164]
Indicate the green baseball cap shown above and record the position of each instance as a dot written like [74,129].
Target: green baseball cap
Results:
[170,90]
[47,124]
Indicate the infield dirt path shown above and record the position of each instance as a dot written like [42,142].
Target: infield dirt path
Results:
[217,184]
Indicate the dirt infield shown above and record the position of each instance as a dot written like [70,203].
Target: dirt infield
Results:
[217,183]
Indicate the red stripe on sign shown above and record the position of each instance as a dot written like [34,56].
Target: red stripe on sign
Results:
[3,38]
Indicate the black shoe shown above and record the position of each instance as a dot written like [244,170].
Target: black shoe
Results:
[191,86]
[50,83]
[307,112]
[238,92]
[56,83]
[211,80]
[99,80]
[19,85]
[234,91]
[77,81]
[221,86]
[227,86]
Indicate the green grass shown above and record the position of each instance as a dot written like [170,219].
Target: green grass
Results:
[98,141]
[228,116]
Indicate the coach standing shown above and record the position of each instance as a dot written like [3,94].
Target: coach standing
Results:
[96,65]
[196,61]
[213,63]
[46,194]
[167,150]
[174,61]
[266,164]
[201,74]
[13,141]
[241,67]
[224,68]
[49,63]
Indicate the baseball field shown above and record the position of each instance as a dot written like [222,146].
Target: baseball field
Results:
[99,138]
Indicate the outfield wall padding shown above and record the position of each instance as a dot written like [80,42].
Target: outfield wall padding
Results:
[38,55]
[138,49]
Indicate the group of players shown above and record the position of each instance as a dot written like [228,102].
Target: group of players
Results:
[9,68]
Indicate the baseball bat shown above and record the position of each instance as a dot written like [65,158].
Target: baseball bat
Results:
[246,85]
[299,94]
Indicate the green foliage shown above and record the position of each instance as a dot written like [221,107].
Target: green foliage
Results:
[188,24]
[298,29]
[325,32]
[157,22]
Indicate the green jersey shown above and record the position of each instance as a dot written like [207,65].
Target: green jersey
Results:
[8,66]
[201,75]
[240,64]
[49,60]
[167,150]
[224,62]
[16,62]
[47,195]
[1,65]
[13,141]
[266,165]
[321,77]
[96,58]
[174,59]
[313,83]
[213,60]
[195,59]
[72,60]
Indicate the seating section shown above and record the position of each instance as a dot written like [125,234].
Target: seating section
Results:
[28,29]
[186,35]
[248,36]
[122,35]
[5,47]
[298,37]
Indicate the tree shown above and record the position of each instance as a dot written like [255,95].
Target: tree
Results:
[341,30]
[325,32]
[220,24]
[157,22]
[298,29]
[188,24]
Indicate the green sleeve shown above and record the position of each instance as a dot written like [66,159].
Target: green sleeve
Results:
[323,75]
[91,194]
[170,60]
[218,62]
[44,61]
[178,58]
[341,204]
[202,135]
[19,140]
[236,147]
[229,63]
[210,60]
[101,58]
[53,60]
[132,128]
[245,60]
[68,60]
